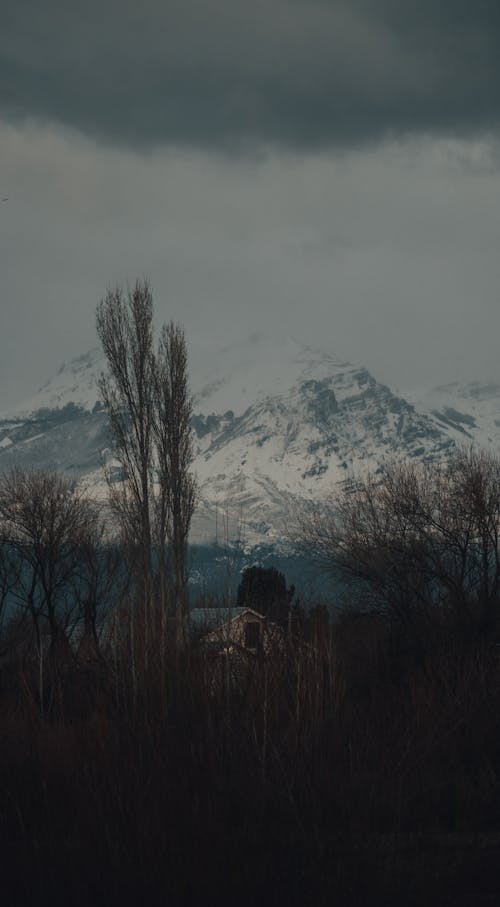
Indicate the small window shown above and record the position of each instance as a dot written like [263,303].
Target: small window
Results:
[252,635]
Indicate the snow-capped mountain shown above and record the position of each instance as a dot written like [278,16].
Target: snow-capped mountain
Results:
[467,412]
[274,421]
[75,384]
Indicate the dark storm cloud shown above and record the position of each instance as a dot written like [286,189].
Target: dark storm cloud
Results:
[229,73]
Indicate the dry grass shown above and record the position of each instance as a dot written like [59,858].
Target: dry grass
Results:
[308,778]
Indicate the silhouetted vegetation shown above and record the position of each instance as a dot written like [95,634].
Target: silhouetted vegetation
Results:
[339,773]
[265,590]
[148,402]
[421,546]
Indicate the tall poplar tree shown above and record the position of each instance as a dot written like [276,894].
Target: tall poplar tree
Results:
[125,329]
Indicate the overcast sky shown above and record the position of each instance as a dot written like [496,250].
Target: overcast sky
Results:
[325,169]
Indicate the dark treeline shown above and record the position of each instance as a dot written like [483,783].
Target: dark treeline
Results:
[355,761]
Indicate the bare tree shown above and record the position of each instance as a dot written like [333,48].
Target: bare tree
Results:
[475,495]
[43,519]
[125,328]
[101,582]
[150,408]
[174,449]
[418,539]
[10,577]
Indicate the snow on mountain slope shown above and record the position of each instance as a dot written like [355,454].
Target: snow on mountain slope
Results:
[467,412]
[75,383]
[239,375]
[274,421]
[306,433]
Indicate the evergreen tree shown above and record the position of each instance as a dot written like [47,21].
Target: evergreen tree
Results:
[264,589]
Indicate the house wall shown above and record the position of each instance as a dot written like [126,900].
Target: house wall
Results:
[233,633]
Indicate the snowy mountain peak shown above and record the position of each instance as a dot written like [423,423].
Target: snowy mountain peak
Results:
[274,421]
[222,378]
[75,383]
[238,375]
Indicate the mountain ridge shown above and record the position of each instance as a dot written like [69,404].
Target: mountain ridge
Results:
[275,422]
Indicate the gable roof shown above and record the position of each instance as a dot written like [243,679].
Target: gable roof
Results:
[210,618]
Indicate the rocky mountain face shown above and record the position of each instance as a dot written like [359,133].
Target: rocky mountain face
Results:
[274,422]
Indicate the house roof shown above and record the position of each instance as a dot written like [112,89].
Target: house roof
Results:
[209,618]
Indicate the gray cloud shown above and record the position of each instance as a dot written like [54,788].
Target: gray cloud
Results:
[229,74]
[387,256]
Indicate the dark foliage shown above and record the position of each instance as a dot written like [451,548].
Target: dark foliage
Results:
[264,589]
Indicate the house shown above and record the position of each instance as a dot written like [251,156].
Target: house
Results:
[234,644]
[226,631]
